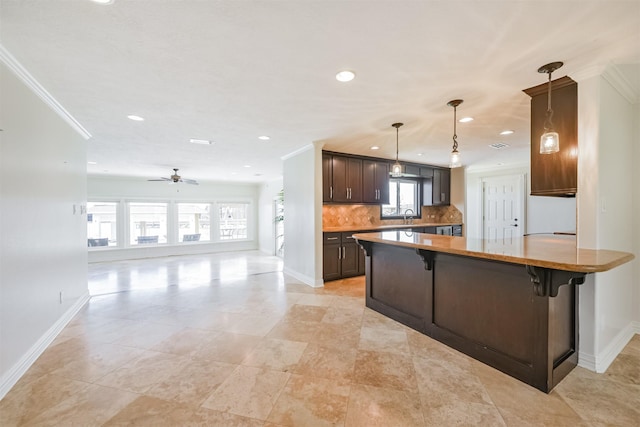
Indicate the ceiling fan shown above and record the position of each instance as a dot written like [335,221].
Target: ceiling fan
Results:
[175,178]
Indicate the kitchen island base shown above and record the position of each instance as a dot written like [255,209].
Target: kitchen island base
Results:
[500,313]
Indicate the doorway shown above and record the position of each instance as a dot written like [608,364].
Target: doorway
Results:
[503,203]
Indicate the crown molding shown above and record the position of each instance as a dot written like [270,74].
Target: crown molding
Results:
[614,76]
[12,63]
[298,151]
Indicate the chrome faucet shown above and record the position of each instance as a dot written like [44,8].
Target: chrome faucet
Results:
[405,216]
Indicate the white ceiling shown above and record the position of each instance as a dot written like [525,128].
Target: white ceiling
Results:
[231,71]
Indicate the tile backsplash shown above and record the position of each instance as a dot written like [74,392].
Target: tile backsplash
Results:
[369,215]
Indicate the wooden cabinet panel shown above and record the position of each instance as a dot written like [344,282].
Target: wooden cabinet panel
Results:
[342,256]
[436,191]
[331,254]
[375,181]
[346,179]
[350,257]
[555,174]
[327,178]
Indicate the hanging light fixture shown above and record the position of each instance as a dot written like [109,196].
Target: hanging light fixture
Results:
[455,154]
[396,170]
[550,140]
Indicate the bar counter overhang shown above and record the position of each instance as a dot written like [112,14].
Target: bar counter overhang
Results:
[512,305]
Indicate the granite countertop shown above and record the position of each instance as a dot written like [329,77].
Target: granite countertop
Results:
[347,228]
[548,251]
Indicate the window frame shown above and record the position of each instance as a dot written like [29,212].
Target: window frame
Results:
[417,197]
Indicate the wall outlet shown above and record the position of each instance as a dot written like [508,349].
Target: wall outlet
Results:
[61,297]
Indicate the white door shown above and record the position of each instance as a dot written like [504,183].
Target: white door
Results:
[503,208]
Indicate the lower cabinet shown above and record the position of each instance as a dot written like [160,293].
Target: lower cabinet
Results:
[342,256]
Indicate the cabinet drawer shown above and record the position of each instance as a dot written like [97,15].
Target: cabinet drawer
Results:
[328,238]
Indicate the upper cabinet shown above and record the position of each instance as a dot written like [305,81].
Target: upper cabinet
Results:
[341,179]
[375,181]
[555,174]
[437,191]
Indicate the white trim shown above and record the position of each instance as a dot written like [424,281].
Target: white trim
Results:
[619,82]
[491,168]
[12,63]
[601,362]
[307,280]
[298,151]
[11,377]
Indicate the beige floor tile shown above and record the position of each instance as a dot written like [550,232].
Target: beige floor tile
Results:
[249,392]
[305,313]
[516,418]
[145,335]
[384,340]
[27,400]
[348,317]
[625,369]
[140,374]
[97,361]
[184,342]
[94,406]
[192,381]
[339,337]
[227,347]
[327,362]
[385,370]
[379,407]
[374,320]
[508,393]
[317,300]
[598,400]
[460,413]
[295,330]
[310,401]
[275,354]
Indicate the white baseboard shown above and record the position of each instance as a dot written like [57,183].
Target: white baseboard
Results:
[600,362]
[11,377]
[314,283]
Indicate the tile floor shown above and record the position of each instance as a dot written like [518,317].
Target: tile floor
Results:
[228,340]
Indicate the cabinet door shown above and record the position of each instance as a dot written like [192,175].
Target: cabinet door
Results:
[327,177]
[350,258]
[426,172]
[354,180]
[441,187]
[369,185]
[339,166]
[382,182]
[331,260]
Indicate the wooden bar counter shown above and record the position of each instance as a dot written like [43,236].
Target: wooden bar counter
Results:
[513,306]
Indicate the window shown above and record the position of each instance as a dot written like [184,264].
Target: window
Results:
[194,223]
[147,223]
[403,195]
[233,220]
[102,224]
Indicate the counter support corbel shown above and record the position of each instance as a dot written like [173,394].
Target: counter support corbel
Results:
[547,282]
[427,258]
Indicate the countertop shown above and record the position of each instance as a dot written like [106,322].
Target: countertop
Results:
[548,251]
[347,228]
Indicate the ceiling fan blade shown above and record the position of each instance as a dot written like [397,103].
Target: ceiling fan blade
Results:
[190,181]
[160,179]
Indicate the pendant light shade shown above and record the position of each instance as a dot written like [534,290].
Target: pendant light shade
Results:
[396,169]
[550,140]
[455,154]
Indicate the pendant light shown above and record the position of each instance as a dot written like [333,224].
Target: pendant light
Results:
[396,170]
[455,154]
[550,140]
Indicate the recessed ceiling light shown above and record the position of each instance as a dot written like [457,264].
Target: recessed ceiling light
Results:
[135,118]
[234,173]
[92,163]
[200,141]
[247,166]
[375,147]
[466,119]
[506,132]
[264,137]
[345,76]
[419,154]
[103,1]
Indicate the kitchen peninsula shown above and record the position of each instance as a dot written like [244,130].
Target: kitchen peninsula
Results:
[512,305]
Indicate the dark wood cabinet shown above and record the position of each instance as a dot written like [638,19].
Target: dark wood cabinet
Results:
[375,181]
[555,174]
[341,179]
[437,190]
[342,256]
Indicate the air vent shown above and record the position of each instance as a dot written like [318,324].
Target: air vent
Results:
[498,145]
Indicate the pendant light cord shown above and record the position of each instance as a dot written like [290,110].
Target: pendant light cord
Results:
[455,137]
[397,127]
[547,123]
